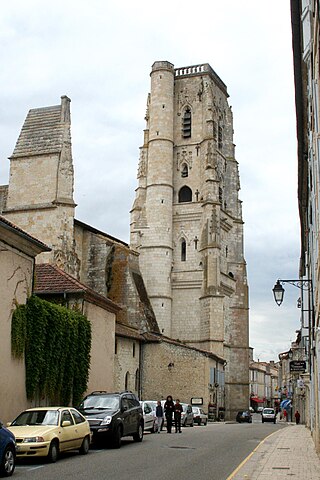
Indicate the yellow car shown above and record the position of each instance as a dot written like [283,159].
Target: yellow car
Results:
[47,431]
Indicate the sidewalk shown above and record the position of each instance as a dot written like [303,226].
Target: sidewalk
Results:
[286,453]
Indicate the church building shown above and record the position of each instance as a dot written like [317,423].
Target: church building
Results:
[186,221]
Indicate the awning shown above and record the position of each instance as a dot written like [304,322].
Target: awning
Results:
[285,404]
[257,399]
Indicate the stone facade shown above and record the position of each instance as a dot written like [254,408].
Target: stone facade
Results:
[186,221]
[111,268]
[40,192]
[17,253]
[171,368]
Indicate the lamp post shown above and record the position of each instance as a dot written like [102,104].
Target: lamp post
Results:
[278,293]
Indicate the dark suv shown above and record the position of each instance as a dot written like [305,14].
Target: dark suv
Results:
[112,416]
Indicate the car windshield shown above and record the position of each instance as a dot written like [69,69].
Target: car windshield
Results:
[36,417]
[268,410]
[101,402]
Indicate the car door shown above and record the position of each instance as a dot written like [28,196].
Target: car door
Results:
[81,427]
[68,434]
[148,416]
[125,412]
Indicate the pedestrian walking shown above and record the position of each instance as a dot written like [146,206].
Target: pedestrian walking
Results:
[168,410]
[297,417]
[159,415]
[285,415]
[177,415]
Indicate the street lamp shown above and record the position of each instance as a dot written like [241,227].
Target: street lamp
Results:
[278,293]
[278,290]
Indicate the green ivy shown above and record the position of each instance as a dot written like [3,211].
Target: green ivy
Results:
[18,331]
[56,343]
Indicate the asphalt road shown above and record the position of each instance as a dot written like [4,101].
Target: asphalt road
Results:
[206,453]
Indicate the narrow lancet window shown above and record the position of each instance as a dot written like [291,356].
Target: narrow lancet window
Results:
[183,251]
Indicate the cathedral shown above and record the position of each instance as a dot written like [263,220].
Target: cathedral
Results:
[186,221]
[176,299]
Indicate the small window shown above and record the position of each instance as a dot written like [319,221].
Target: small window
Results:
[185,195]
[220,138]
[78,418]
[116,347]
[183,251]
[186,129]
[66,417]
[134,349]
[184,171]
[220,195]
[214,130]
[136,386]
[126,381]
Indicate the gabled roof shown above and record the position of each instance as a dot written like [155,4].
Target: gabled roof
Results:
[19,239]
[51,280]
[43,130]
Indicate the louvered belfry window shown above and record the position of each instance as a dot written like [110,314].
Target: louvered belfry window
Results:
[186,129]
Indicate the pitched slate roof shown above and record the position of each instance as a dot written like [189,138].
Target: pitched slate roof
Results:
[43,131]
[50,279]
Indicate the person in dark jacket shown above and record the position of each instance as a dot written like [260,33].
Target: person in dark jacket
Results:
[159,415]
[168,410]
[177,415]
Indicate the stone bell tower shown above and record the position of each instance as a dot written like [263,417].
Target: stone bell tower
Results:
[40,194]
[186,221]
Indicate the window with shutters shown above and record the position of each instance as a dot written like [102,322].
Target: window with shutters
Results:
[186,127]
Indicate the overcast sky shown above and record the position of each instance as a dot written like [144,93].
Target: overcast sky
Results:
[100,53]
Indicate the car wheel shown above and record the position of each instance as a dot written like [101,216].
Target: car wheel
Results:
[84,449]
[205,423]
[262,421]
[8,462]
[53,452]
[116,439]
[137,437]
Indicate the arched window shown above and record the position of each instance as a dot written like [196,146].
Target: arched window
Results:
[184,171]
[183,250]
[126,381]
[136,384]
[185,194]
[186,129]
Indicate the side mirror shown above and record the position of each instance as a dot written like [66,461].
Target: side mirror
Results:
[66,423]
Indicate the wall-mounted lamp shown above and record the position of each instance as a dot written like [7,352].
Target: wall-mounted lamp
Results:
[170,366]
[278,290]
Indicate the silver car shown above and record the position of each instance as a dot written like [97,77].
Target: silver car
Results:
[199,416]
[149,415]
[187,415]
[268,415]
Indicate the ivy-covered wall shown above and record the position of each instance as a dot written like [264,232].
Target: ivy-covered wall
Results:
[56,344]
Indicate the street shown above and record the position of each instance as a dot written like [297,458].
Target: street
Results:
[210,452]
